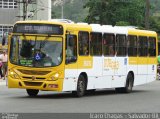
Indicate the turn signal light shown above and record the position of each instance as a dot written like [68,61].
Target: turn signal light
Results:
[53,85]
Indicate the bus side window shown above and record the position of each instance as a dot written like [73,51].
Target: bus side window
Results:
[152,46]
[83,43]
[71,48]
[96,44]
[132,45]
[143,46]
[121,49]
[108,44]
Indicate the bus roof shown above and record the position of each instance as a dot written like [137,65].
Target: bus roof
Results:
[141,32]
[96,27]
[109,29]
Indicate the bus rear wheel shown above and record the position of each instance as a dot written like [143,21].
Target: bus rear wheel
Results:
[81,87]
[129,85]
[32,92]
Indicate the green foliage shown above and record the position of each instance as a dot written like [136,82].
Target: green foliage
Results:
[114,11]
[122,23]
[97,11]
[155,23]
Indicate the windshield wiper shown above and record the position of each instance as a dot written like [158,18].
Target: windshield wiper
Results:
[42,44]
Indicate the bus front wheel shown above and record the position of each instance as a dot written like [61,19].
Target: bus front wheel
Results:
[81,87]
[32,92]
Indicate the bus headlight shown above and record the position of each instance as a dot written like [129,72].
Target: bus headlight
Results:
[13,75]
[55,76]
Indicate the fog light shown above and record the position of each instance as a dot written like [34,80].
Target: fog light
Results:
[52,78]
[53,85]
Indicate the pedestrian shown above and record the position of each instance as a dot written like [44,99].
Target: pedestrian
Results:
[1,74]
[4,58]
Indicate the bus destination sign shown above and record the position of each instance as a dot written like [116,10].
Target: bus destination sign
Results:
[38,29]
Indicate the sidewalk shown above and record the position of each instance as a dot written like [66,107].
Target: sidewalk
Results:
[2,82]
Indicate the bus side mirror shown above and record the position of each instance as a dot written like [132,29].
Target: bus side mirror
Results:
[70,59]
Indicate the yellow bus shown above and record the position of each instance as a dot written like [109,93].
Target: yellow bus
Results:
[79,57]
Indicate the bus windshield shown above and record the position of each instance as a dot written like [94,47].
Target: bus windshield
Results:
[36,51]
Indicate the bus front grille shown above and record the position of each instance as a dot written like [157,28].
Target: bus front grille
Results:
[31,72]
[32,83]
[36,78]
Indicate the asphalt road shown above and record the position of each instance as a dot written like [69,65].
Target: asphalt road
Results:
[145,98]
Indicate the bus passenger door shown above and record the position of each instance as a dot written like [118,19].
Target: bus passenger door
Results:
[70,63]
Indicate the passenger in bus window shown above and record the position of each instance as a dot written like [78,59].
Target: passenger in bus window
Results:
[80,49]
[111,51]
[70,47]
[69,51]
[26,49]
[85,50]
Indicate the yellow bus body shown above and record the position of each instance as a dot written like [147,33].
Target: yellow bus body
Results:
[29,72]
[100,72]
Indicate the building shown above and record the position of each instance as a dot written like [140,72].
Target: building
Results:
[13,10]
[8,13]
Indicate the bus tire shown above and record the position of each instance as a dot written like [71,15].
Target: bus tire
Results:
[129,85]
[81,87]
[32,92]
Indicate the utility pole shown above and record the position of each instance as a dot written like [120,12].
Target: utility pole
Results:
[147,14]
[25,9]
[24,14]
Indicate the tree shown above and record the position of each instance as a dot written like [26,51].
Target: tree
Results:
[113,11]
[155,23]
[147,14]
[97,11]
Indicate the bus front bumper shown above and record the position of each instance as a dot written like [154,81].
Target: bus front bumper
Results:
[39,85]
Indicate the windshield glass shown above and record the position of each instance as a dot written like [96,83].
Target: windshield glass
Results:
[36,51]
